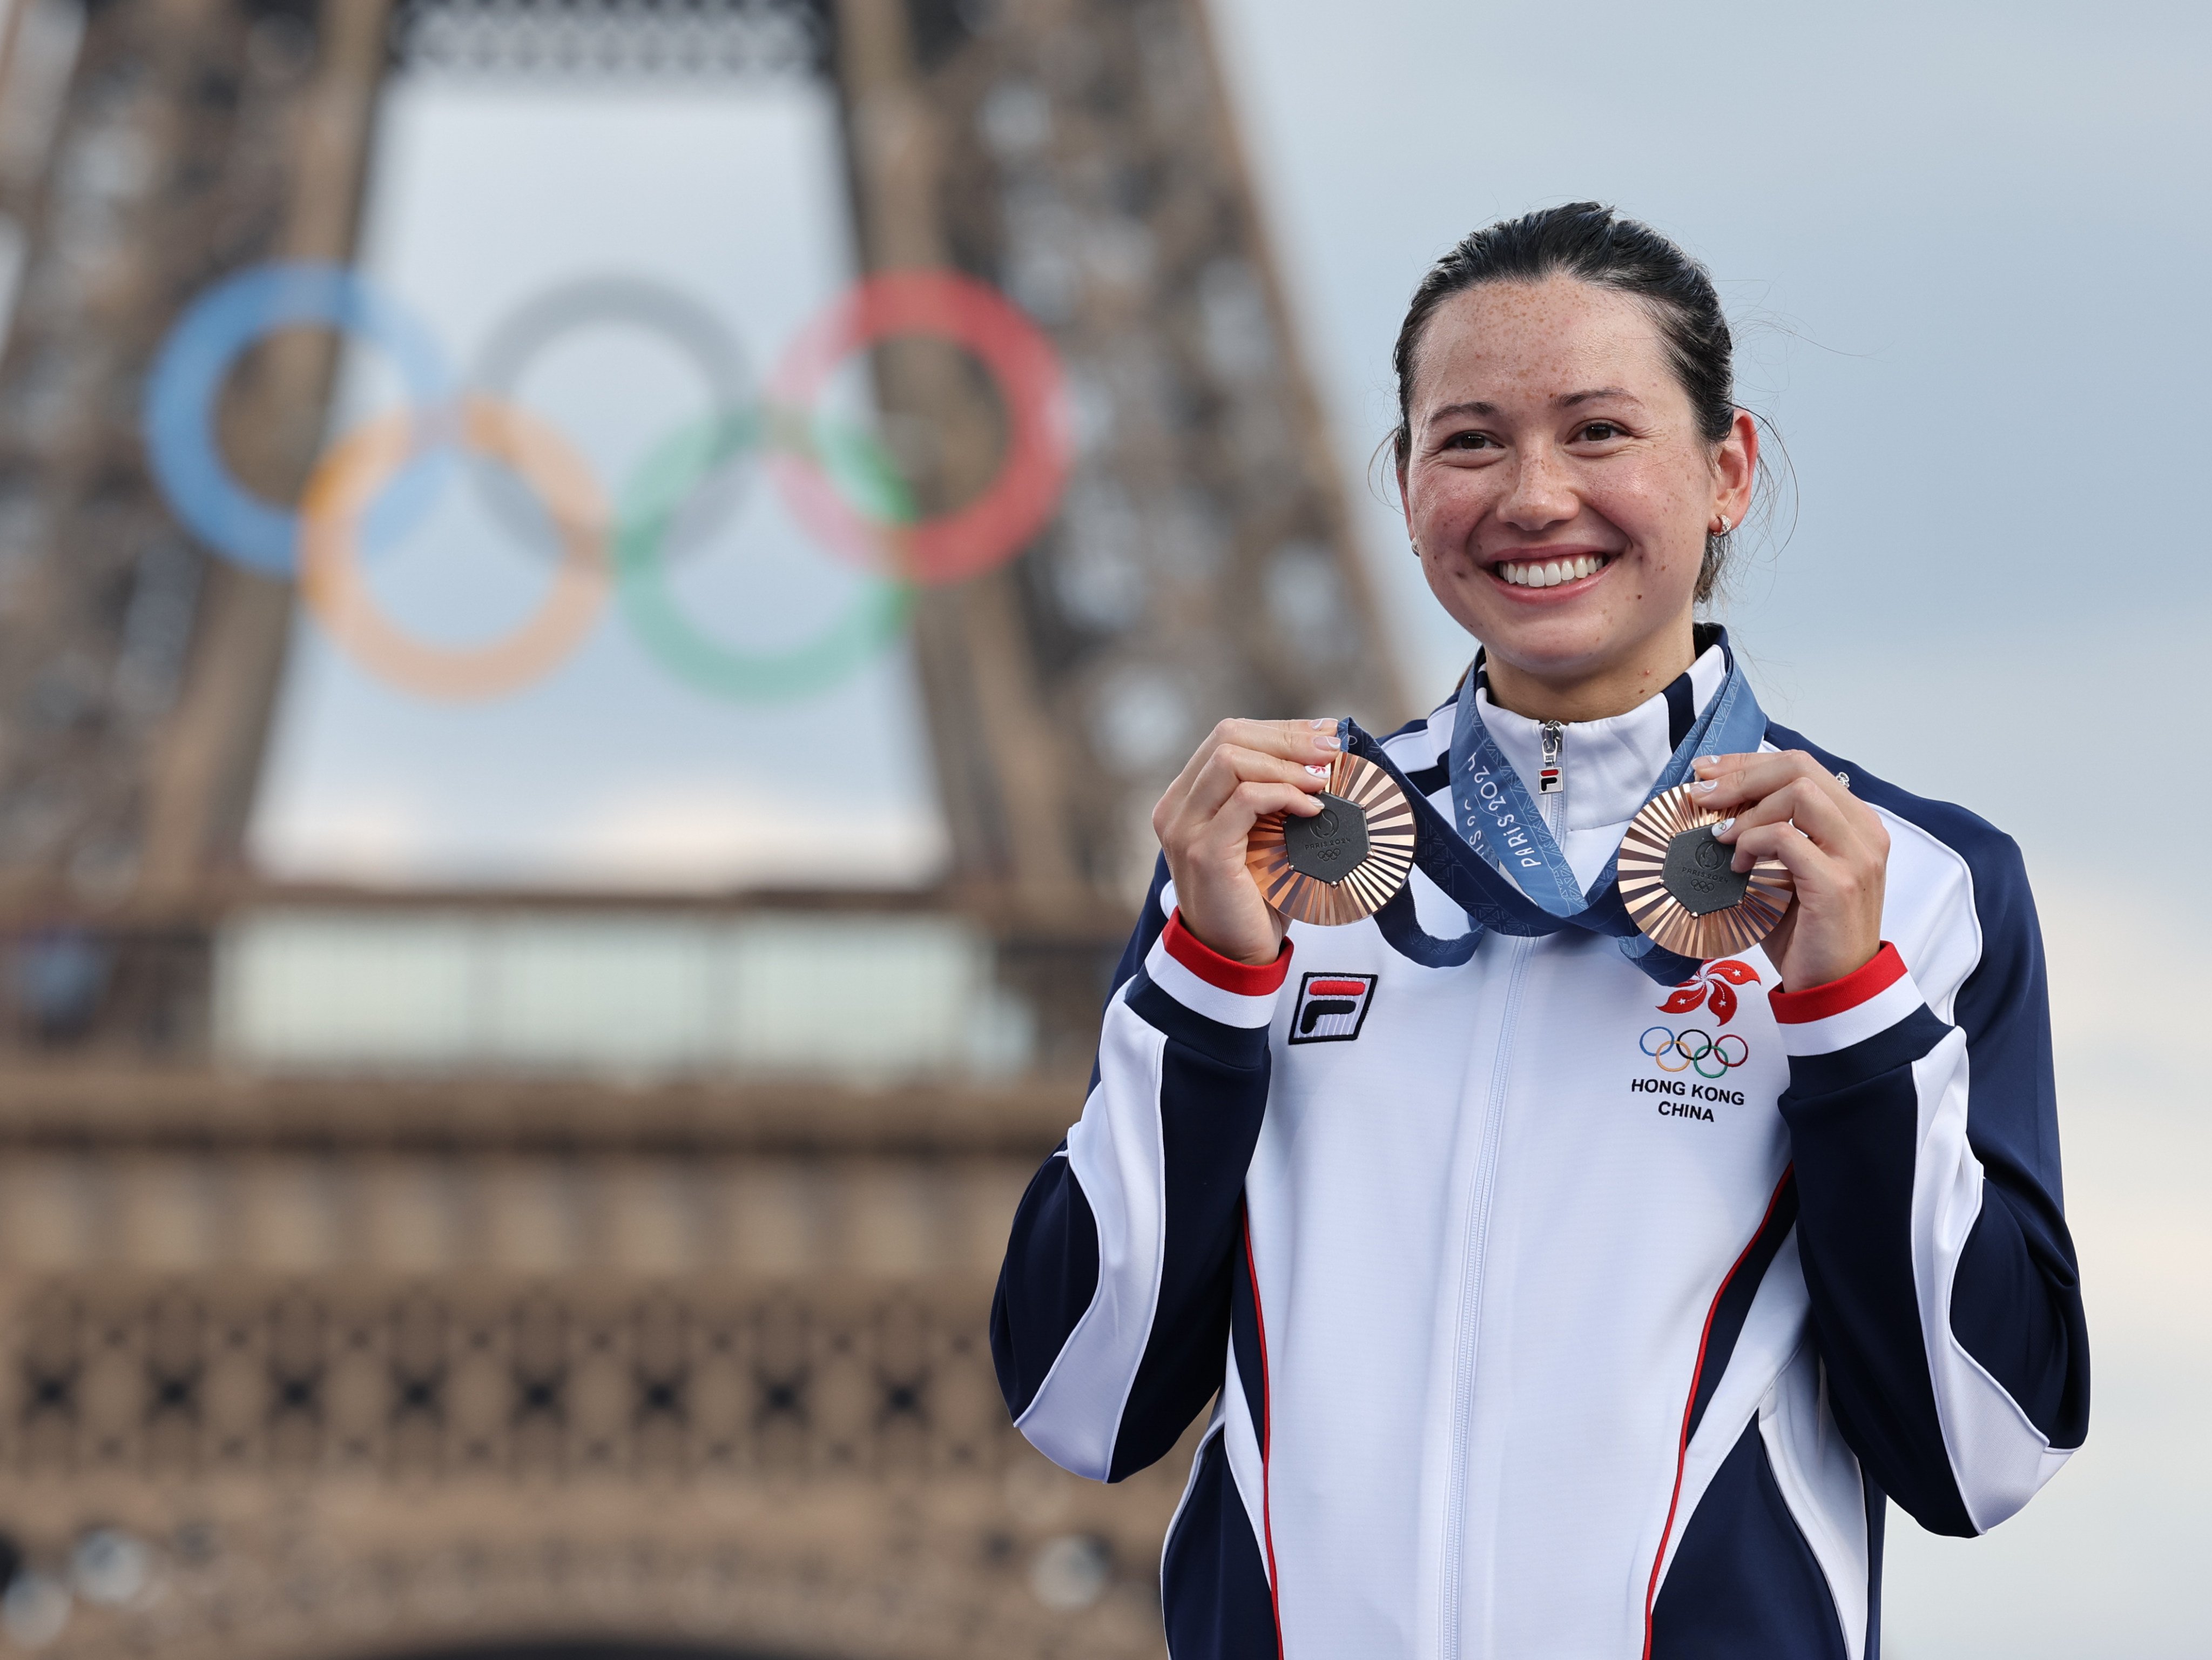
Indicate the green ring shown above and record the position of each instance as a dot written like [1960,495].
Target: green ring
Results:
[659,490]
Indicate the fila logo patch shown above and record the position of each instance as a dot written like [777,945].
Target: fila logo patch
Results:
[1331,1007]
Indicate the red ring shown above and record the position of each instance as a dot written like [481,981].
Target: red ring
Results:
[998,524]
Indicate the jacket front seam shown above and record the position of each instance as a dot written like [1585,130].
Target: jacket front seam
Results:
[1473,1252]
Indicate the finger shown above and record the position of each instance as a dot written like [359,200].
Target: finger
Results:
[1801,802]
[1303,741]
[1227,830]
[1726,781]
[1232,765]
[1185,822]
[1810,867]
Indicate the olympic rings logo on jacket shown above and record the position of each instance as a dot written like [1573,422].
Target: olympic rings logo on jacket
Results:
[378,481]
[1694,1050]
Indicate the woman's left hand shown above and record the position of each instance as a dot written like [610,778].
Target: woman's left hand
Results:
[1788,807]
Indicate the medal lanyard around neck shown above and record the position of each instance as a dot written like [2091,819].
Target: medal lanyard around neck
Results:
[1500,820]
[1495,818]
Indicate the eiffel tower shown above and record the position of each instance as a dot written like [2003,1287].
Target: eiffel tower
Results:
[301,1358]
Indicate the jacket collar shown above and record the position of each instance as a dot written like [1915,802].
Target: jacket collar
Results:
[1609,766]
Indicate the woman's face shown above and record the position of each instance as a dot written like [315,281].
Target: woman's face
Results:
[1557,488]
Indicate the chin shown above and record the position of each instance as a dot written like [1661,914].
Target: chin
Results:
[1566,642]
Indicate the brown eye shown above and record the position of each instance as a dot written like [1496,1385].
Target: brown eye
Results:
[1470,440]
[1599,432]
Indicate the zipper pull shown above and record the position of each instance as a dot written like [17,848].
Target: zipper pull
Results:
[1550,780]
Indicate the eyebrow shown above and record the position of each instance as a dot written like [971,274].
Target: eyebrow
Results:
[1575,397]
[1479,409]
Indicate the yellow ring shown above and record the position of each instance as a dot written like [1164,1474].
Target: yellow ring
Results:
[347,481]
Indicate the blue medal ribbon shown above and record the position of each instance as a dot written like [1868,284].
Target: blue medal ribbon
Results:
[1499,828]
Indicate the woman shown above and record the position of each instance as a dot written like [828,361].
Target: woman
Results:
[1525,1335]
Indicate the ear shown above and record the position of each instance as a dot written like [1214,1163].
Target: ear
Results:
[1736,468]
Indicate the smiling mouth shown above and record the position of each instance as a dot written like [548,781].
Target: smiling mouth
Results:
[1550,573]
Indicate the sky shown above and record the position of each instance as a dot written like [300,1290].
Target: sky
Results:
[1964,250]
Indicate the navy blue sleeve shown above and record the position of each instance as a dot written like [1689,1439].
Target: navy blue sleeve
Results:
[1937,1423]
[1109,1328]
[1051,1267]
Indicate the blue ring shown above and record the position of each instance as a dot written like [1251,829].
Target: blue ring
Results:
[187,379]
[1645,1042]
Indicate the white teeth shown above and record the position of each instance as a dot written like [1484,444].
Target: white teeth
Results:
[1550,573]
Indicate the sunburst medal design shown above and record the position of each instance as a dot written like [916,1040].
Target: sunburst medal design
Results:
[1680,887]
[1346,862]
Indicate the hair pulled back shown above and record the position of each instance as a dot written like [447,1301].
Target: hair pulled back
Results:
[1590,242]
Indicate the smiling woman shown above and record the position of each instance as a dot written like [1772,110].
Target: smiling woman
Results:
[1572,362]
[1519,1346]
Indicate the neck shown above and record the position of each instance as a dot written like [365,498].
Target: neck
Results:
[1592,695]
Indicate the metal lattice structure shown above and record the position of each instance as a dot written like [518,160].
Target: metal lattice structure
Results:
[359,1364]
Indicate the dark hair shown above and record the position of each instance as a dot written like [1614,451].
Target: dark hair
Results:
[1587,240]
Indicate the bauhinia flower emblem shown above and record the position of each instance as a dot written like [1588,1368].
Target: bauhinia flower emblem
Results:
[1711,987]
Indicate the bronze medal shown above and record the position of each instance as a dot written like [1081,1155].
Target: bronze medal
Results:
[1343,863]
[1680,886]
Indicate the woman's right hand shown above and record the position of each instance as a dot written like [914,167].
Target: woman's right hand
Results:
[1245,770]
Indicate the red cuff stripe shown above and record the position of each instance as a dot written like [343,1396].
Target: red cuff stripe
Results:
[1862,984]
[1225,973]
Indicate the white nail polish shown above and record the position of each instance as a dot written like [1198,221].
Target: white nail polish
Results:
[1706,784]
[1318,772]
[1725,824]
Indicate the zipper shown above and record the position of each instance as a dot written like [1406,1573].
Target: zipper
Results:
[1552,803]
[1473,1252]
[1550,778]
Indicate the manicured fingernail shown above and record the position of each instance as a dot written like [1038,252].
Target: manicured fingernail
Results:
[1725,825]
[1331,742]
[1318,772]
[1322,725]
[1703,785]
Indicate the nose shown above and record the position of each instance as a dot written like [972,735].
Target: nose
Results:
[1542,494]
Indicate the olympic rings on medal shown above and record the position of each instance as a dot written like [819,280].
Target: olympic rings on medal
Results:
[684,323]
[187,380]
[837,480]
[657,494]
[1015,506]
[347,481]
[1694,1049]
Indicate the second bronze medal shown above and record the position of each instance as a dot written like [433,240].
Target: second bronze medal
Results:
[1681,886]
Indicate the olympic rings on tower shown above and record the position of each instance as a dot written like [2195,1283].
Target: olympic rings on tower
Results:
[377,480]
[1694,1047]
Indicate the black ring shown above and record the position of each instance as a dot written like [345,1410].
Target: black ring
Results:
[530,327]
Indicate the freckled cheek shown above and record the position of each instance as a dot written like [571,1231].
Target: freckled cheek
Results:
[1450,500]
[1647,507]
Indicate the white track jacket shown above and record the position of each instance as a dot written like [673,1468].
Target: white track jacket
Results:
[1547,1314]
